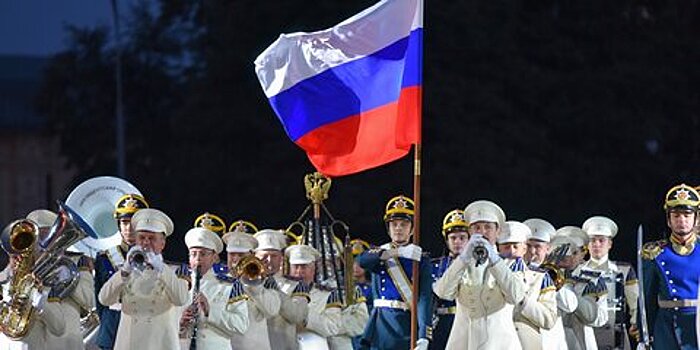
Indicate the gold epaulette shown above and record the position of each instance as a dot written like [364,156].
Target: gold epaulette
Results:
[651,250]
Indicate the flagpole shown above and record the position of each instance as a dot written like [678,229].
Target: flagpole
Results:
[415,278]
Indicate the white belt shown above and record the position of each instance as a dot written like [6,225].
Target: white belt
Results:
[391,304]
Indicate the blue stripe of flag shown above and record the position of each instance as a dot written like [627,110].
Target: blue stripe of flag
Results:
[351,88]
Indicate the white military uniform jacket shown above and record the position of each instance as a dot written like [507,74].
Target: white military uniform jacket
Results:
[263,303]
[585,308]
[628,281]
[293,311]
[323,320]
[353,320]
[486,296]
[150,312]
[50,323]
[82,298]
[228,313]
[538,310]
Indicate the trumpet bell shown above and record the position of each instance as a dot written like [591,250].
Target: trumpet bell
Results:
[94,201]
[251,270]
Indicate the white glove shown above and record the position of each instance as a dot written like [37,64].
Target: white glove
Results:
[493,253]
[389,253]
[156,260]
[467,254]
[567,300]
[39,298]
[411,251]
[422,344]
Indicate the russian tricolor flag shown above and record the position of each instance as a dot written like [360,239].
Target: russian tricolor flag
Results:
[350,95]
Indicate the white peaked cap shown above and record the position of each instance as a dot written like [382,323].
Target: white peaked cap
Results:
[513,232]
[600,226]
[200,237]
[152,220]
[271,239]
[301,254]
[541,229]
[42,217]
[485,211]
[240,242]
[576,234]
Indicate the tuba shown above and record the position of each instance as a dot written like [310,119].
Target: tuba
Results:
[32,276]
[94,200]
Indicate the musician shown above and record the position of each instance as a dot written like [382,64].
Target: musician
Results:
[354,313]
[217,225]
[541,232]
[150,293]
[485,288]
[454,231]
[324,318]
[263,299]
[671,268]
[621,282]
[80,301]
[217,311]
[294,295]
[391,266]
[538,247]
[48,321]
[582,300]
[362,281]
[537,312]
[109,261]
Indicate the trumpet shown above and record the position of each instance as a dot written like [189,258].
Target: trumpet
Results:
[251,270]
[139,259]
[555,273]
[480,253]
[550,265]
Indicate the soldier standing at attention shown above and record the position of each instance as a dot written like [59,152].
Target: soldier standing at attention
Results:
[671,268]
[454,231]
[391,266]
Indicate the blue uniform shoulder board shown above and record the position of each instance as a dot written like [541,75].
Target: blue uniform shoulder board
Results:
[374,251]
[182,270]
[53,297]
[225,278]
[651,250]
[271,283]
[334,299]
[631,277]
[517,265]
[547,284]
[596,289]
[220,269]
[302,290]
[237,292]
[84,263]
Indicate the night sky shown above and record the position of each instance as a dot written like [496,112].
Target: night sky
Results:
[559,110]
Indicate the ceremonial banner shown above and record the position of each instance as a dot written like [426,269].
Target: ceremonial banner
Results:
[350,95]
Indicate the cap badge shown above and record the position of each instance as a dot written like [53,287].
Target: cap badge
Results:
[130,203]
[400,203]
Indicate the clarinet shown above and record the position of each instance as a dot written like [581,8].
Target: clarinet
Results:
[195,292]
